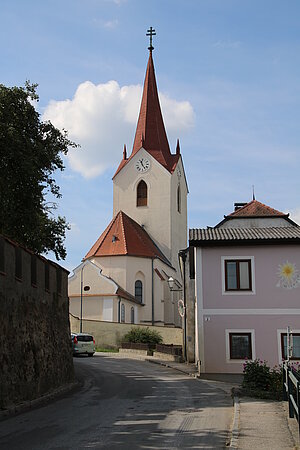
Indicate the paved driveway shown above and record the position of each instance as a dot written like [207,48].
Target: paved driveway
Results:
[125,404]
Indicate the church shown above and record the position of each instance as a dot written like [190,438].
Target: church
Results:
[124,276]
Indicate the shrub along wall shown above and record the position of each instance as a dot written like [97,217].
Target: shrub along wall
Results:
[35,348]
[111,334]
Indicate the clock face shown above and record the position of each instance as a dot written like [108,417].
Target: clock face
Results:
[142,165]
[178,173]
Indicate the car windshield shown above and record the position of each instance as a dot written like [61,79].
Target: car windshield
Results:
[84,338]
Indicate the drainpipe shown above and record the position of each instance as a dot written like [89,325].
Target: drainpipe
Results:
[152,267]
[182,255]
[119,309]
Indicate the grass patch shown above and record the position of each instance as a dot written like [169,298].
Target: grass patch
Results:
[107,350]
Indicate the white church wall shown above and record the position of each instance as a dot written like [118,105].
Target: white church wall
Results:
[155,217]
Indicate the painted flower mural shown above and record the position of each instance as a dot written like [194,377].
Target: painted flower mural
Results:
[289,277]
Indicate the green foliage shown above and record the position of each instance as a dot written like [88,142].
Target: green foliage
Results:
[261,380]
[30,152]
[143,336]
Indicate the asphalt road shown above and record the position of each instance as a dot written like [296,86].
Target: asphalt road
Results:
[125,404]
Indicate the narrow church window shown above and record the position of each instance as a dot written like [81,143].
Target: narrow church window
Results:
[141,197]
[123,313]
[138,291]
[132,315]
[178,199]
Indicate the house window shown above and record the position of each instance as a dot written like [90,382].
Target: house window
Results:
[238,275]
[138,291]
[141,194]
[132,315]
[2,257]
[33,270]
[123,313]
[178,200]
[47,278]
[240,346]
[295,346]
[18,263]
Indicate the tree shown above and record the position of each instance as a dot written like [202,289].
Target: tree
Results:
[30,152]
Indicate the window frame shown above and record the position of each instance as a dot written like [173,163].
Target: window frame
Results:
[140,297]
[141,190]
[283,356]
[233,292]
[132,314]
[179,199]
[230,335]
[240,331]
[238,280]
[122,313]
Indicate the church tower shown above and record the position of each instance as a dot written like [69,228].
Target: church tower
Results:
[150,184]
[128,267]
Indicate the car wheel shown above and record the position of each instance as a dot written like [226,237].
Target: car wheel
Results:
[90,354]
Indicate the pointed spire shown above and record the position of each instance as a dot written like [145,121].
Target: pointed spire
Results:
[253,193]
[178,148]
[150,127]
[125,152]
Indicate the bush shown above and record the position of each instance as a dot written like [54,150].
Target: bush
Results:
[143,336]
[262,381]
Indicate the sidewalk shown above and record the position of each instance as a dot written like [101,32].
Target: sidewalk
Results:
[257,424]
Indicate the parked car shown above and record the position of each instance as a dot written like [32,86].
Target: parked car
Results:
[83,343]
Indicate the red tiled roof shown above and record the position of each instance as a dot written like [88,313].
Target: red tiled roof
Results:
[256,209]
[124,236]
[150,131]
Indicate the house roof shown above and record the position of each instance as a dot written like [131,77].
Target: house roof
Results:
[150,131]
[244,236]
[256,209]
[124,236]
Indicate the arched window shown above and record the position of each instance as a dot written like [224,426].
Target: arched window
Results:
[132,315]
[138,291]
[141,194]
[178,199]
[123,313]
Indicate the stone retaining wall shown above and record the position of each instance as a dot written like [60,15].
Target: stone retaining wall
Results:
[110,334]
[35,346]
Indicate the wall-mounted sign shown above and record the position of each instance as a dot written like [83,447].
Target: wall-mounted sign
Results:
[181,308]
[289,277]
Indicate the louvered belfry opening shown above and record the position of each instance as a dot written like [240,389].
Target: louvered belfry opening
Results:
[142,194]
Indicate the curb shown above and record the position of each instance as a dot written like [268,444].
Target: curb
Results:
[235,429]
[37,402]
[165,364]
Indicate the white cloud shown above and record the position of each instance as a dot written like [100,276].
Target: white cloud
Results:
[109,24]
[295,215]
[101,118]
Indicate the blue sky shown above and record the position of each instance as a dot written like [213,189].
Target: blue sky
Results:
[228,74]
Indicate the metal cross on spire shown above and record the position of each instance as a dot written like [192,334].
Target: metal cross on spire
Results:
[151,32]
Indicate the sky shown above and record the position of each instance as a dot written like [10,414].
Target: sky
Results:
[228,76]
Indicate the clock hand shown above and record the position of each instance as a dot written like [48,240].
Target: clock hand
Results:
[141,161]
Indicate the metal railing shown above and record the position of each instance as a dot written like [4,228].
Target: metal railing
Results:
[291,391]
